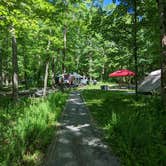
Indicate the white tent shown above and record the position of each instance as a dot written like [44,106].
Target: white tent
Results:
[151,83]
[76,75]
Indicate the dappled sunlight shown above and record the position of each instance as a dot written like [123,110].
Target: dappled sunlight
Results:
[77,128]
[129,125]
[126,100]
[33,159]
[95,142]
[64,140]
[96,55]
[78,141]
[138,105]
[98,102]
[75,101]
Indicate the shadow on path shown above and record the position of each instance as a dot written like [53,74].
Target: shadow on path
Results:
[76,143]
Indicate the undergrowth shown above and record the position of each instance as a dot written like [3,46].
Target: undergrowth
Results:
[135,130]
[27,128]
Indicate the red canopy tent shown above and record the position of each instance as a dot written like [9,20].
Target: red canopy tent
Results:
[122,73]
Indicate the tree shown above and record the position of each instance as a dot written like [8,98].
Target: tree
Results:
[162,12]
[14,64]
[0,68]
[85,37]
[135,45]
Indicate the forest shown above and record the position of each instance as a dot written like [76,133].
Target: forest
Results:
[40,39]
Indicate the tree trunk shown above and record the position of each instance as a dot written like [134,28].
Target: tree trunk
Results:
[135,46]
[90,68]
[64,50]
[1,84]
[15,65]
[53,72]
[103,67]
[46,70]
[46,78]
[38,77]
[59,60]
[25,70]
[77,63]
[162,12]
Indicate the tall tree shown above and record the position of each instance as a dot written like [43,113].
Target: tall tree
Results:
[135,45]
[65,47]
[1,68]
[14,64]
[162,12]
[46,68]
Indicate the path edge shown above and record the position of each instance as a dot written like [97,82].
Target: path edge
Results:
[98,131]
[54,137]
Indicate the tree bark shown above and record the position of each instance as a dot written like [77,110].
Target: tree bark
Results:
[46,70]
[53,72]
[64,49]
[135,46]
[38,77]
[25,70]
[90,68]
[162,12]
[1,81]
[46,78]
[103,67]
[15,65]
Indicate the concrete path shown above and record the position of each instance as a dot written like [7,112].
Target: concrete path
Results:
[76,142]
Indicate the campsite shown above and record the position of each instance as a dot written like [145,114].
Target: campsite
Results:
[82,83]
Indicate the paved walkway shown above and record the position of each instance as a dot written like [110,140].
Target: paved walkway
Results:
[76,142]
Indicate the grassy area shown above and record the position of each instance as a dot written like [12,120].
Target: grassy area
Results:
[26,129]
[134,129]
[97,86]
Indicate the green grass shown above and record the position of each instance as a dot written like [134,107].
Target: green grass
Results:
[97,86]
[135,130]
[27,128]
